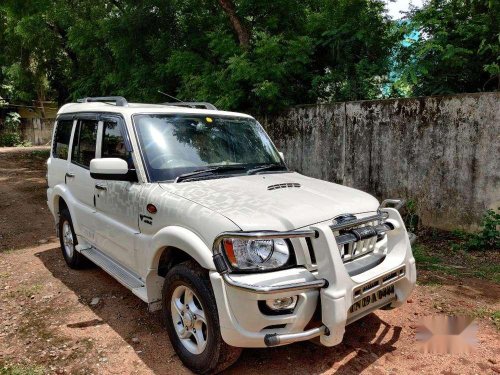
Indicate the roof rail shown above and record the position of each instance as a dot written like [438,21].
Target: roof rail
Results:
[120,101]
[201,105]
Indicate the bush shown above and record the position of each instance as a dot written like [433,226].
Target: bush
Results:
[410,216]
[11,134]
[488,238]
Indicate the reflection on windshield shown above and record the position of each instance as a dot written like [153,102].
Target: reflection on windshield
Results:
[174,145]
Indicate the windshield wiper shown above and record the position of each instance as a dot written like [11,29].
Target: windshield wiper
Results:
[209,171]
[266,167]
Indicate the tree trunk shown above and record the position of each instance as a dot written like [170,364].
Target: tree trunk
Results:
[239,27]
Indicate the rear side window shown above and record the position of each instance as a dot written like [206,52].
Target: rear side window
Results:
[84,142]
[61,139]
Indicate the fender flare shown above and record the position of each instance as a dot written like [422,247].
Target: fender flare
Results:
[185,240]
[61,191]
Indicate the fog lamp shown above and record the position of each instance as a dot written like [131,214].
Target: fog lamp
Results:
[284,303]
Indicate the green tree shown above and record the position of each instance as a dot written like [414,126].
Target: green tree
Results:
[10,134]
[252,55]
[354,40]
[458,49]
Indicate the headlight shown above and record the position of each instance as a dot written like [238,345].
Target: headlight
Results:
[257,254]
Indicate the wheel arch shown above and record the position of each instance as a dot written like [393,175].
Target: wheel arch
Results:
[176,244]
[59,204]
[170,257]
[173,245]
[61,198]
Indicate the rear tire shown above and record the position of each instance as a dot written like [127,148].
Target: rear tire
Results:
[190,313]
[68,240]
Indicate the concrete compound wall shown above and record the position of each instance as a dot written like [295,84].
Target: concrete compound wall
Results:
[443,153]
[37,131]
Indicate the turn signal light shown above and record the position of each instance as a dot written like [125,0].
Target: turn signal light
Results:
[228,246]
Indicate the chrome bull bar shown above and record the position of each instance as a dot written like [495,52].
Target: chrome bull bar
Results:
[275,339]
[224,269]
[342,228]
[264,289]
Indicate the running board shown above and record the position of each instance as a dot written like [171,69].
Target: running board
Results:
[120,273]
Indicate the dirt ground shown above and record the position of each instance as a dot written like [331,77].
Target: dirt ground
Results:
[48,323]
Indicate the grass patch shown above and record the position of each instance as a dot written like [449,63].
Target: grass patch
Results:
[35,325]
[40,154]
[26,291]
[488,238]
[431,262]
[18,369]
[420,253]
[495,316]
[485,313]
[488,271]
[441,259]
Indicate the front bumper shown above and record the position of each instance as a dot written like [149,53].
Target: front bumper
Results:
[331,288]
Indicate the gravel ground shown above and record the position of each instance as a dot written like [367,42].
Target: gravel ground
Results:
[57,320]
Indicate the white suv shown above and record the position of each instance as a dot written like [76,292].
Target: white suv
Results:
[194,210]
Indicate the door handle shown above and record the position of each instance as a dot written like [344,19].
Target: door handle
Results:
[68,174]
[101,187]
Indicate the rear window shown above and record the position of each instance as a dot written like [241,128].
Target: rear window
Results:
[61,139]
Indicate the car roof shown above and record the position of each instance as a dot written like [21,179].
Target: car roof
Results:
[135,108]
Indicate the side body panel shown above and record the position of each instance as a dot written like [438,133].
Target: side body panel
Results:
[116,220]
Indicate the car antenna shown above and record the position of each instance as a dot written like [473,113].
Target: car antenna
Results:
[170,96]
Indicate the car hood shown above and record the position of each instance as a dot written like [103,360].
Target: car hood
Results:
[278,201]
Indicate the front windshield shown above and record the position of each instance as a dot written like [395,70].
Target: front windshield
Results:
[173,145]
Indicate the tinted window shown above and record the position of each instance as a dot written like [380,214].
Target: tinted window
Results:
[113,144]
[84,142]
[61,138]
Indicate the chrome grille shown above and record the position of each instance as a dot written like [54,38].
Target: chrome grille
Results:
[355,250]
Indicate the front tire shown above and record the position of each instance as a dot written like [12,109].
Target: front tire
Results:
[192,322]
[68,240]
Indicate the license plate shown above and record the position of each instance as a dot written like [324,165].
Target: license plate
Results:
[376,298]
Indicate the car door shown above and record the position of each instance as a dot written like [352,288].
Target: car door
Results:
[117,210]
[58,163]
[78,180]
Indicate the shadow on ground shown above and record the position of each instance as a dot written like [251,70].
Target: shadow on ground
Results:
[364,341]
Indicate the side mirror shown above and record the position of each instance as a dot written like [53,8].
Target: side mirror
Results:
[112,169]
[281,155]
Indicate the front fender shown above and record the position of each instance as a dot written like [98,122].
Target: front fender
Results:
[184,239]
